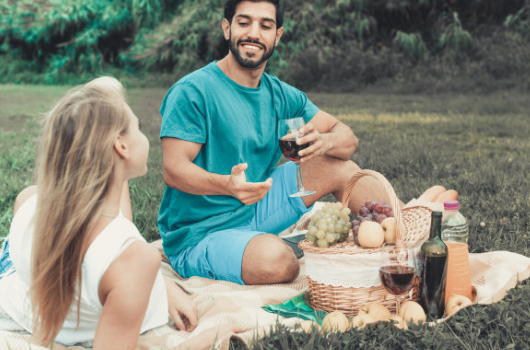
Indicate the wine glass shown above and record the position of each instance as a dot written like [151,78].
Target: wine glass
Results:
[398,270]
[287,136]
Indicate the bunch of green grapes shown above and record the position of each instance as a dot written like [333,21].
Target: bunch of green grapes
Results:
[329,225]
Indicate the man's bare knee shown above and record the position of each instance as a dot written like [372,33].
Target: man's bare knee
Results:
[267,259]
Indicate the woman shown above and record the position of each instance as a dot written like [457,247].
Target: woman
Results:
[75,269]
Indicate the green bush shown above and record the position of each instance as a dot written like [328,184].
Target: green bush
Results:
[333,45]
[187,41]
[520,21]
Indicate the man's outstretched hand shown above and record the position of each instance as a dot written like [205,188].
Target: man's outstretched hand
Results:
[247,192]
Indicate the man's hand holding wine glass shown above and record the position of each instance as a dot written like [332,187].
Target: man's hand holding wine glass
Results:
[290,136]
[247,192]
[313,138]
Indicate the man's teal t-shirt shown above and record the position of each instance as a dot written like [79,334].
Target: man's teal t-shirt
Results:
[234,124]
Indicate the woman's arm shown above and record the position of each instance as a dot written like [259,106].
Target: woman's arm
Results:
[124,291]
[182,308]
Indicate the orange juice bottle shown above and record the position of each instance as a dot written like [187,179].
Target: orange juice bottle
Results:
[455,235]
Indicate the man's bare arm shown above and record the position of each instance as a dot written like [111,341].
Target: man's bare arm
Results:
[329,137]
[181,173]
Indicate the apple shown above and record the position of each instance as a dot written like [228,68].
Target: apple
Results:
[377,310]
[361,320]
[398,321]
[370,235]
[335,321]
[389,228]
[456,302]
[411,311]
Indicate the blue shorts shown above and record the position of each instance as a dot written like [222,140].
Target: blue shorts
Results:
[220,254]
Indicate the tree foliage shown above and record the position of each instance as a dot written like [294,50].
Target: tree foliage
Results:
[325,41]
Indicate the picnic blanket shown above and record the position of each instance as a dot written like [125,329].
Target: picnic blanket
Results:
[236,310]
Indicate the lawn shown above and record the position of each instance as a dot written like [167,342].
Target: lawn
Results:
[476,144]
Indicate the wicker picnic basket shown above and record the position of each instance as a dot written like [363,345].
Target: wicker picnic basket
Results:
[348,259]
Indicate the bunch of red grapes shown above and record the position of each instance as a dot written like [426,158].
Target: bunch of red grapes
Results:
[375,211]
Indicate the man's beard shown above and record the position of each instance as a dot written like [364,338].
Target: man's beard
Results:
[249,63]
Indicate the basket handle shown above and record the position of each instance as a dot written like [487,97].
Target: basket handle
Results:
[394,202]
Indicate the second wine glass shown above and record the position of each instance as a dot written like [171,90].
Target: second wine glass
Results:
[398,269]
[288,133]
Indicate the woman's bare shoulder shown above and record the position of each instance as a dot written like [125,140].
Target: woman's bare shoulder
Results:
[23,196]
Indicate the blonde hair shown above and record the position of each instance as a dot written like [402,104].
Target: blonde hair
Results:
[74,167]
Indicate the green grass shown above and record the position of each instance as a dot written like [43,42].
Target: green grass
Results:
[476,144]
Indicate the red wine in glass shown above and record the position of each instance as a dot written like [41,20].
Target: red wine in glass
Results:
[290,149]
[398,269]
[397,279]
[288,132]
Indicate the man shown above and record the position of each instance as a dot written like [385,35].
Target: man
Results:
[225,199]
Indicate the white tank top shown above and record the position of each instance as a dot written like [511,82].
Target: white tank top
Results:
[108,245]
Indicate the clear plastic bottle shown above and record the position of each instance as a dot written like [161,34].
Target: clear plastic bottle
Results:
[455,234]
[454,224]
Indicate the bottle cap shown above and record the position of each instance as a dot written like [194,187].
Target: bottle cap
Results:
[451,205]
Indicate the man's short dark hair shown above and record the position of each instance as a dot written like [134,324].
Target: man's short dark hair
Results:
[231,5]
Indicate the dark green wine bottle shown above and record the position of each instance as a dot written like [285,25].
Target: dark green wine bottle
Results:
[432,270]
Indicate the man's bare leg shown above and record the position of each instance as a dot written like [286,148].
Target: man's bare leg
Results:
[267,259]
[330,175]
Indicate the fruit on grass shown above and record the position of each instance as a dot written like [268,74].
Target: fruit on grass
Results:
[398,321]
[335,321]
[456,302]
[377,310]
[411,311]
[307,326]
[329,225]
[389,229]
[370,235]
[431,193]
[362,320]
[449,195]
